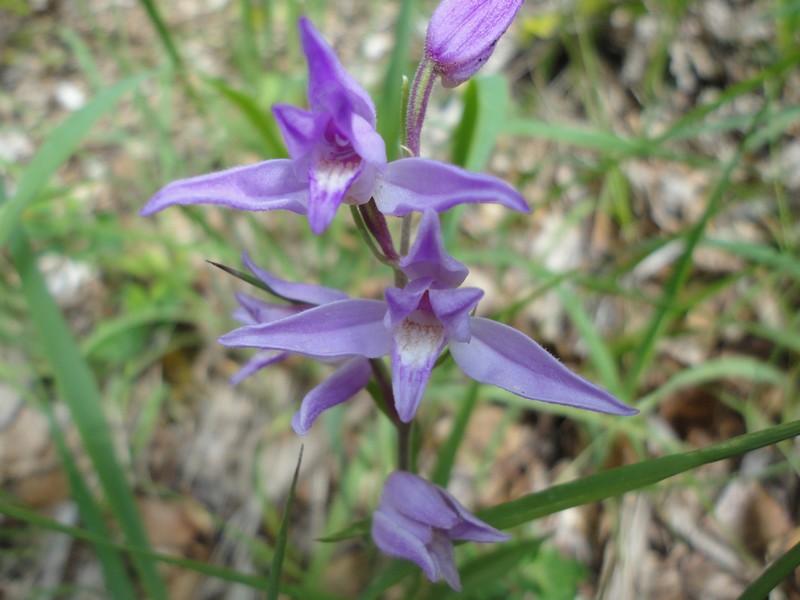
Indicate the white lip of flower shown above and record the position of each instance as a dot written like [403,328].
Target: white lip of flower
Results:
[418,337]
[333,175]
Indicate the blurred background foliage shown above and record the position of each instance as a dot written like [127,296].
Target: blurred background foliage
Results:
[657,143]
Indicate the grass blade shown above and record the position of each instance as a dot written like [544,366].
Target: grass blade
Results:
[447,453]
[118,583]
[666,313]
[163,33]
[625,479]
[78,387]
[274,582]
[58,147]
[773,575]
[222,573]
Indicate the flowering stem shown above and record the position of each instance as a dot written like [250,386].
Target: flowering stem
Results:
[404,447]
[418,103]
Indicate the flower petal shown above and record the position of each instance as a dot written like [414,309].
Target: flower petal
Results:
[441,549]
[452,308]
[419,499]
[401,302]
[268,185]
[343,328]
[462,34]
[428,258]
[330,88]
[301,131]
[300,292]
[502,356]
[393,538]
[253,311]
[416,344]
[345,382]
[415,184]
[328,184]
[262,359]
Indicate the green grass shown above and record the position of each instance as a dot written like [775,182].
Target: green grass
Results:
[157,300]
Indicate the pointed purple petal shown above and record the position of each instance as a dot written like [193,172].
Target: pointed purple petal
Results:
[416,344]
[343,328]
[502,356]
[367,142]
[415,184]
[268,185]
[345,383]
[452,308]
[301,292]
[443,554]
[330,88]
[262,359]
[470,527]
[393,537]
[427,257]
[401,302]
[301,131]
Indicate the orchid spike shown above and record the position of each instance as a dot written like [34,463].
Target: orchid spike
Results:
[418,521]
[462,35]
[352,373]
[414,325]
[336,156]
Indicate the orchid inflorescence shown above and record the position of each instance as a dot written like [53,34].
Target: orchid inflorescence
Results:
[337,157]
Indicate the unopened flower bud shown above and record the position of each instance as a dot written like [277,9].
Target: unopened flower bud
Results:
[462,35]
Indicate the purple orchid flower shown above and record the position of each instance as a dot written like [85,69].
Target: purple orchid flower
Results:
[418,521]
[462,35]
[351,376]
[336,156]
[414,325]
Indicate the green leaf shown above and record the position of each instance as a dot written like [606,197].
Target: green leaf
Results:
[55,151]
[485,107]
[274,582]
[628,478]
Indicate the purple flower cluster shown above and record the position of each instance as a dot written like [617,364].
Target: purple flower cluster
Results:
[337,157]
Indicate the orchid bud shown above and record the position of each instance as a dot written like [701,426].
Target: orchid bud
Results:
[462,35]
